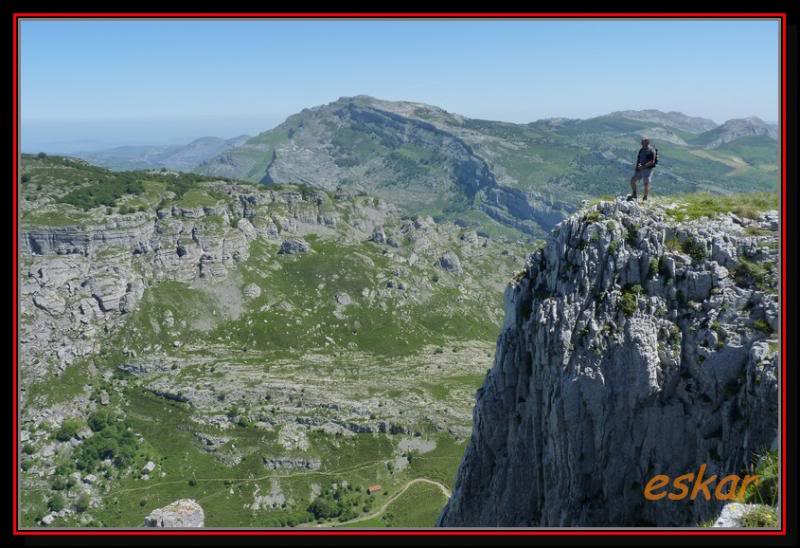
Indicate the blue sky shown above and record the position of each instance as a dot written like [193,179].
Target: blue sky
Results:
[89,84]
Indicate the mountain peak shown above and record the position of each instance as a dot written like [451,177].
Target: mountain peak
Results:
[673,119]
[737,128]
[389,105]
[749,120]
[360,98]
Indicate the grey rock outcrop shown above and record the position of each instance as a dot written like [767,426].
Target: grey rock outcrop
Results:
[732,514]
[451,263]
[378,235]
[290,247]
[128,231]
[252,291]
[631,346]
[291,463]
[182,513]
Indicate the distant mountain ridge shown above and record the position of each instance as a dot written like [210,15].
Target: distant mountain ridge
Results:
[180,157]
[505,176]
[673,119]
[737,129]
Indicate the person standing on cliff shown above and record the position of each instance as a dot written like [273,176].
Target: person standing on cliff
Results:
[645,161]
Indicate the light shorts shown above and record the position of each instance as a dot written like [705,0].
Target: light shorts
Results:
[646,174]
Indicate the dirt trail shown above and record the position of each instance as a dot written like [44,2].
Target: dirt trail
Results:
[445,491]
[259,478]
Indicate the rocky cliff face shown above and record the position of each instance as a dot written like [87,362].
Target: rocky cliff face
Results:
[632,346]
[411,154]
[79,281]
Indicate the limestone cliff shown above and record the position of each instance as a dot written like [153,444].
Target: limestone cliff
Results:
[633,345]
[80,280]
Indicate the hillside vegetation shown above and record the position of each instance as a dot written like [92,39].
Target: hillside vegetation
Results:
[179,346]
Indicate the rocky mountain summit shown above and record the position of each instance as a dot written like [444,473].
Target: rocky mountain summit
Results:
[738,128]
[676,120]
[633,345]
[410,154]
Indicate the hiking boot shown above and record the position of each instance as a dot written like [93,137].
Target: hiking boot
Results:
[644,199]
[631,197]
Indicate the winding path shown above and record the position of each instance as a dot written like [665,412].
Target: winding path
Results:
[443,488]
[247,480]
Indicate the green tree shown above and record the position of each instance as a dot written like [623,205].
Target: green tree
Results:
[56,502]
[63,469]
[321,508]
[98,420]
[59,483]
[68,430]
[82,504]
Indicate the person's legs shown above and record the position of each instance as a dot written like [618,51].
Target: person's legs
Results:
[633,186]
[646,187]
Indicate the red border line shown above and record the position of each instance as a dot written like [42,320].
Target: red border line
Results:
[394,15]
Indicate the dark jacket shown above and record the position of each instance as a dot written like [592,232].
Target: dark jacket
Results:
[645,155]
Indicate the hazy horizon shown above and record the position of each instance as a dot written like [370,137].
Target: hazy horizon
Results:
[106,83]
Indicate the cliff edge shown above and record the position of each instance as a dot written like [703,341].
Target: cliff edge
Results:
[633,345]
